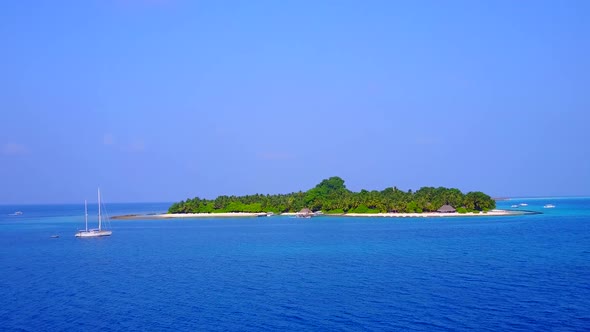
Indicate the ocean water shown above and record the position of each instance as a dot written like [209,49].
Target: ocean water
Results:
[517,273]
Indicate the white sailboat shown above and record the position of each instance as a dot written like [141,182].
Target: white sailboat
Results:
[93,232]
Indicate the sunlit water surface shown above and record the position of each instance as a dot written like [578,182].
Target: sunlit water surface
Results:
[519,273]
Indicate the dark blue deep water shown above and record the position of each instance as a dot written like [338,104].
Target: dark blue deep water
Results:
[519,273]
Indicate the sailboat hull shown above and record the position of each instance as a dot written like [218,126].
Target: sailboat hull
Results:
[93,233]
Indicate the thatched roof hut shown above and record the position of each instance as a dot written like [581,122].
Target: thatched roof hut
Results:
[446,209]
[305,212]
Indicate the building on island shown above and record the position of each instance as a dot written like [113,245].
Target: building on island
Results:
[304,213]
[446,209]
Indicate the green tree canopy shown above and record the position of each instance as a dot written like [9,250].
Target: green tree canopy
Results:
[331,195]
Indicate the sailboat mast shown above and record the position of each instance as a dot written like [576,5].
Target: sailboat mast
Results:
[86,214]
[99,217]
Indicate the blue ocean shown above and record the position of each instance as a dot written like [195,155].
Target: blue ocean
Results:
[516,273]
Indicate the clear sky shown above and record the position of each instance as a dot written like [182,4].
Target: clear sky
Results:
[163,100]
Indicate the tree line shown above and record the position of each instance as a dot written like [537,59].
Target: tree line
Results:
[332,196]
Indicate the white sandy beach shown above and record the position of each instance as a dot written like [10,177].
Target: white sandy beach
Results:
[383,215]
[208,215]
[436,214]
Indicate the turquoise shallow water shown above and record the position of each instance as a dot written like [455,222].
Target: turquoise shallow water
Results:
[517,273]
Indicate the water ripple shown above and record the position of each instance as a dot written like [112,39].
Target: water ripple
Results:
[514,274]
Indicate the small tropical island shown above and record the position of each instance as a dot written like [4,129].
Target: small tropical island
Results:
[331,197]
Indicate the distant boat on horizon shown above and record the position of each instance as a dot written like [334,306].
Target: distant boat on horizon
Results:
[514,206]
[96,232]
[523,204]
[549,206]
[16,213]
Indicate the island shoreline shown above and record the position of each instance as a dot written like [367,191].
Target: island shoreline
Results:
[492,213]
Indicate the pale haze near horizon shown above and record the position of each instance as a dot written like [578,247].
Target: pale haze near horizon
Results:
[164,100]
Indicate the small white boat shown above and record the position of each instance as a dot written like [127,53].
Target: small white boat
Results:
[514,206]
[97,231]
[17,213]
[265,214]
[549,206]
[523,204]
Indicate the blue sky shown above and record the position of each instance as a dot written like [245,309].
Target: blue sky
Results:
[162,100]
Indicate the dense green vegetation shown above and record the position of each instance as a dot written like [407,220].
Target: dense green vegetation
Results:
[331,196]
